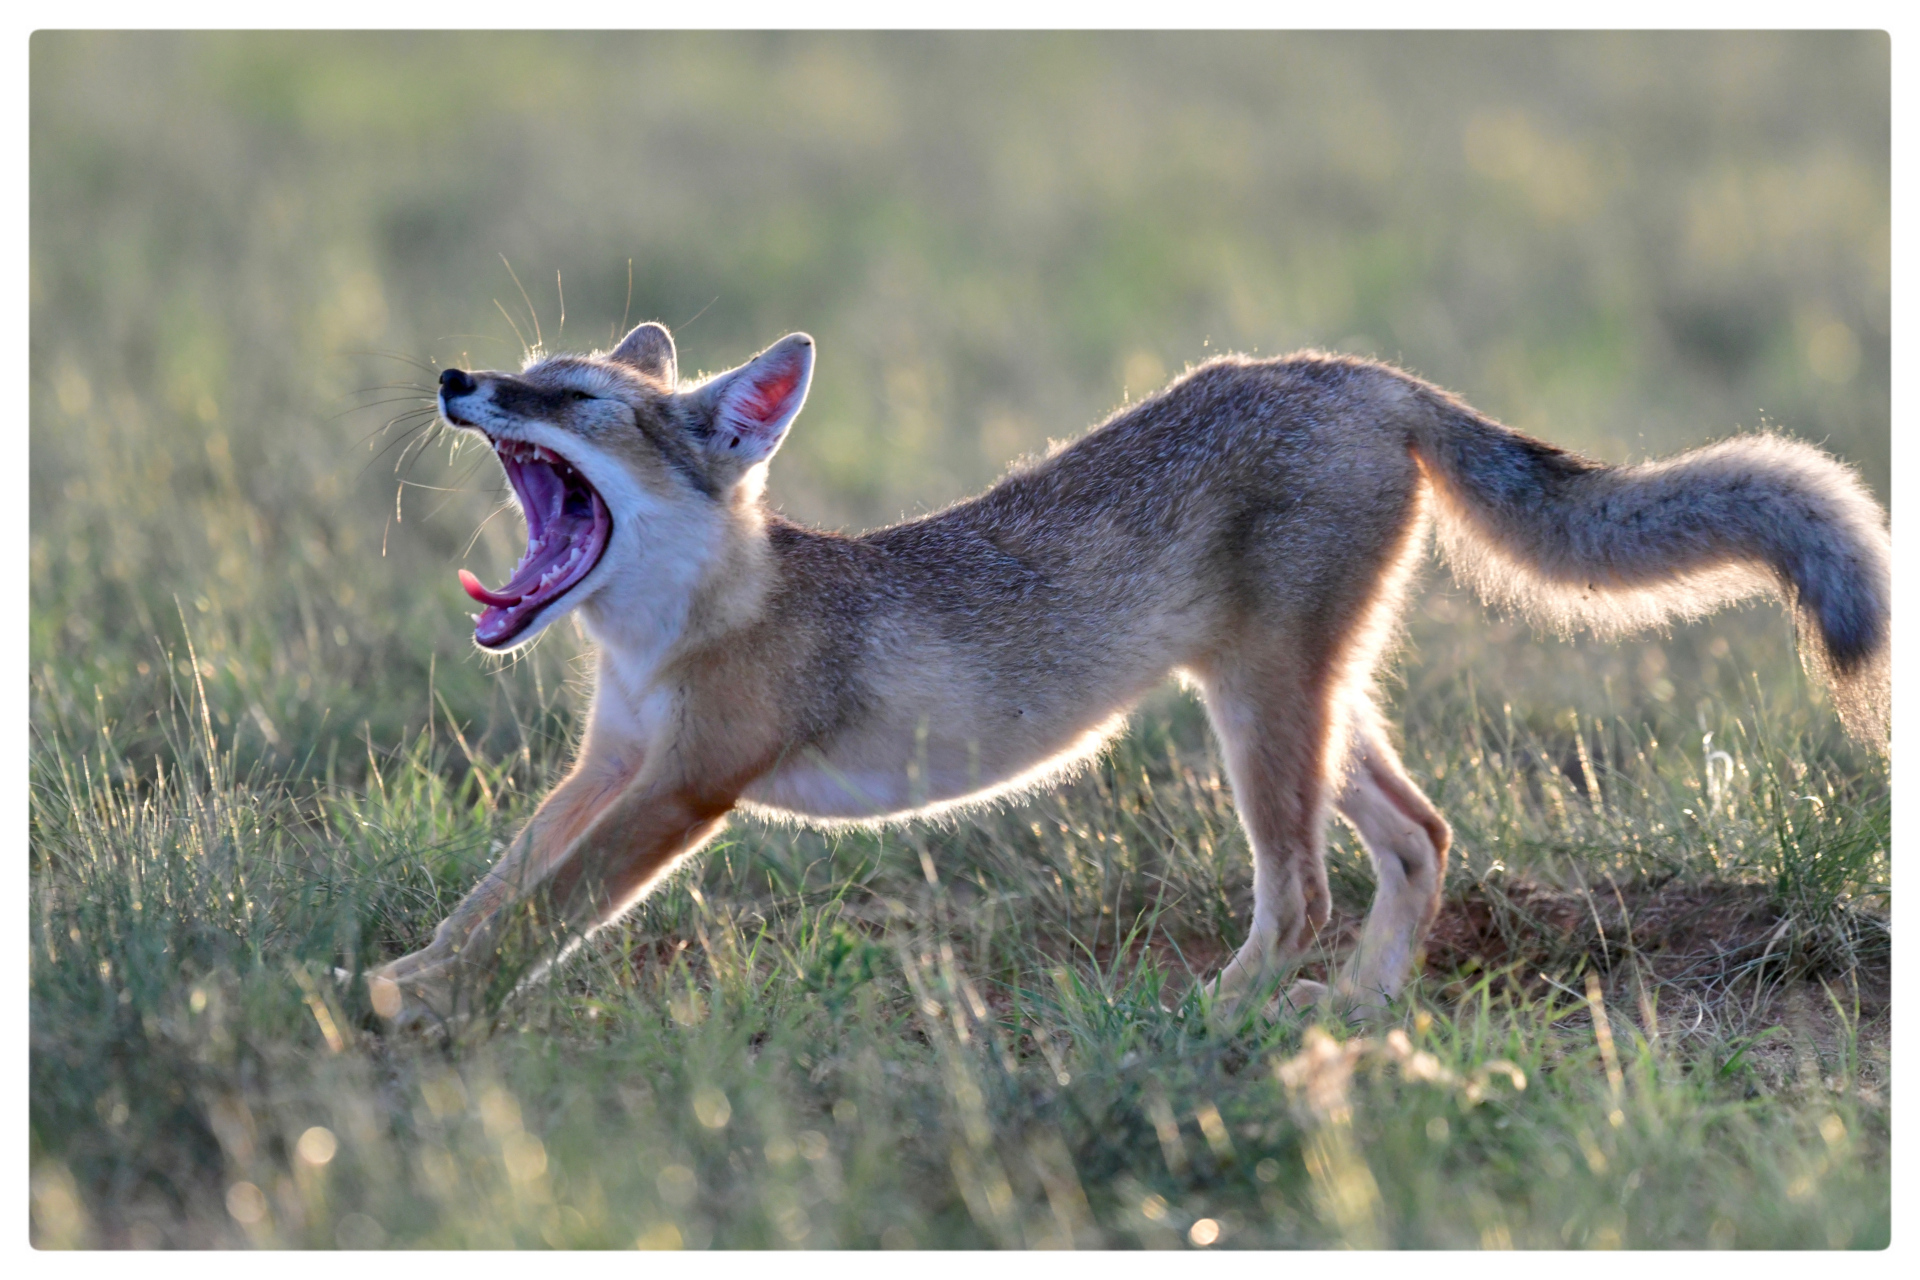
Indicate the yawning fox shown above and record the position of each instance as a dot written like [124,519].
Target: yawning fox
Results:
[1252,527]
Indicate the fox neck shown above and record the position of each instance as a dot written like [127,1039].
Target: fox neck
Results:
[663,599]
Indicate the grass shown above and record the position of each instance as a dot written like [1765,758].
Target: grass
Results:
[971,1036]
[1654,1012]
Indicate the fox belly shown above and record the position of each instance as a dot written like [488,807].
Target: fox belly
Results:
[903,770]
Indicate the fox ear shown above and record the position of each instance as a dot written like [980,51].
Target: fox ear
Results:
[649,348]
[751,407]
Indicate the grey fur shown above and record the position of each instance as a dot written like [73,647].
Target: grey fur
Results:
[1574,543]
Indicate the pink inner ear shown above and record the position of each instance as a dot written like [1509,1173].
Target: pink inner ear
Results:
[768,400]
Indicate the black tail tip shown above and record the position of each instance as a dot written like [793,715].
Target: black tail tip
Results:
[1853,633]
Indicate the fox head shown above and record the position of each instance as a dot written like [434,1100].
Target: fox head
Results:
[625,476]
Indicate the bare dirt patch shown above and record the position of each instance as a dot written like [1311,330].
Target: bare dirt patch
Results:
[1695,948]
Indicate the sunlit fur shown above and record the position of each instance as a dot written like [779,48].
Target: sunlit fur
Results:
[1620,549]
[1252,528]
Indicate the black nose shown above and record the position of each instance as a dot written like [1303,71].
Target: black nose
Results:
[456,382]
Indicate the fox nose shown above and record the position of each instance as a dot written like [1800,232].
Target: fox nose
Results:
[456,382]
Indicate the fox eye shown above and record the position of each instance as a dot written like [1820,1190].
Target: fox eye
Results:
[580,395]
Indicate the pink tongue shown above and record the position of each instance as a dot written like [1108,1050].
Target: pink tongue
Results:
[473,588]
[541,557]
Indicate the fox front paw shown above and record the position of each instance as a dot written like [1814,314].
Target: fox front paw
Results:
[418,1000]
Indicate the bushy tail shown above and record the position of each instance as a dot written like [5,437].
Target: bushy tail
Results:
[1573,543]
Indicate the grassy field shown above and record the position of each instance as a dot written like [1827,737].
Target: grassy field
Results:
[1655,1011]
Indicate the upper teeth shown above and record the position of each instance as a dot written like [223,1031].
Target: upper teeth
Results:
[523,451]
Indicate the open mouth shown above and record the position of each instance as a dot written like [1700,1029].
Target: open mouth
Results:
[567,530]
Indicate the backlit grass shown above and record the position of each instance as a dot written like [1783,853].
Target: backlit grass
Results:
[980,1035]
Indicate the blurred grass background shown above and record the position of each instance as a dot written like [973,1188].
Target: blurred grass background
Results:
[1627,244]
[249,253]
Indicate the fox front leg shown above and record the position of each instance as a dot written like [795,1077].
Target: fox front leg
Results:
[626,848]
[595,782]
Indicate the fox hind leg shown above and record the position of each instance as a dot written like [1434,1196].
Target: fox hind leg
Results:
[1408,841]
[1273,722]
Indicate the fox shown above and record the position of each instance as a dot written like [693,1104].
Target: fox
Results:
[1253,529]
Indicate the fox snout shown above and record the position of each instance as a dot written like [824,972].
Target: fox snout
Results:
[455,383]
